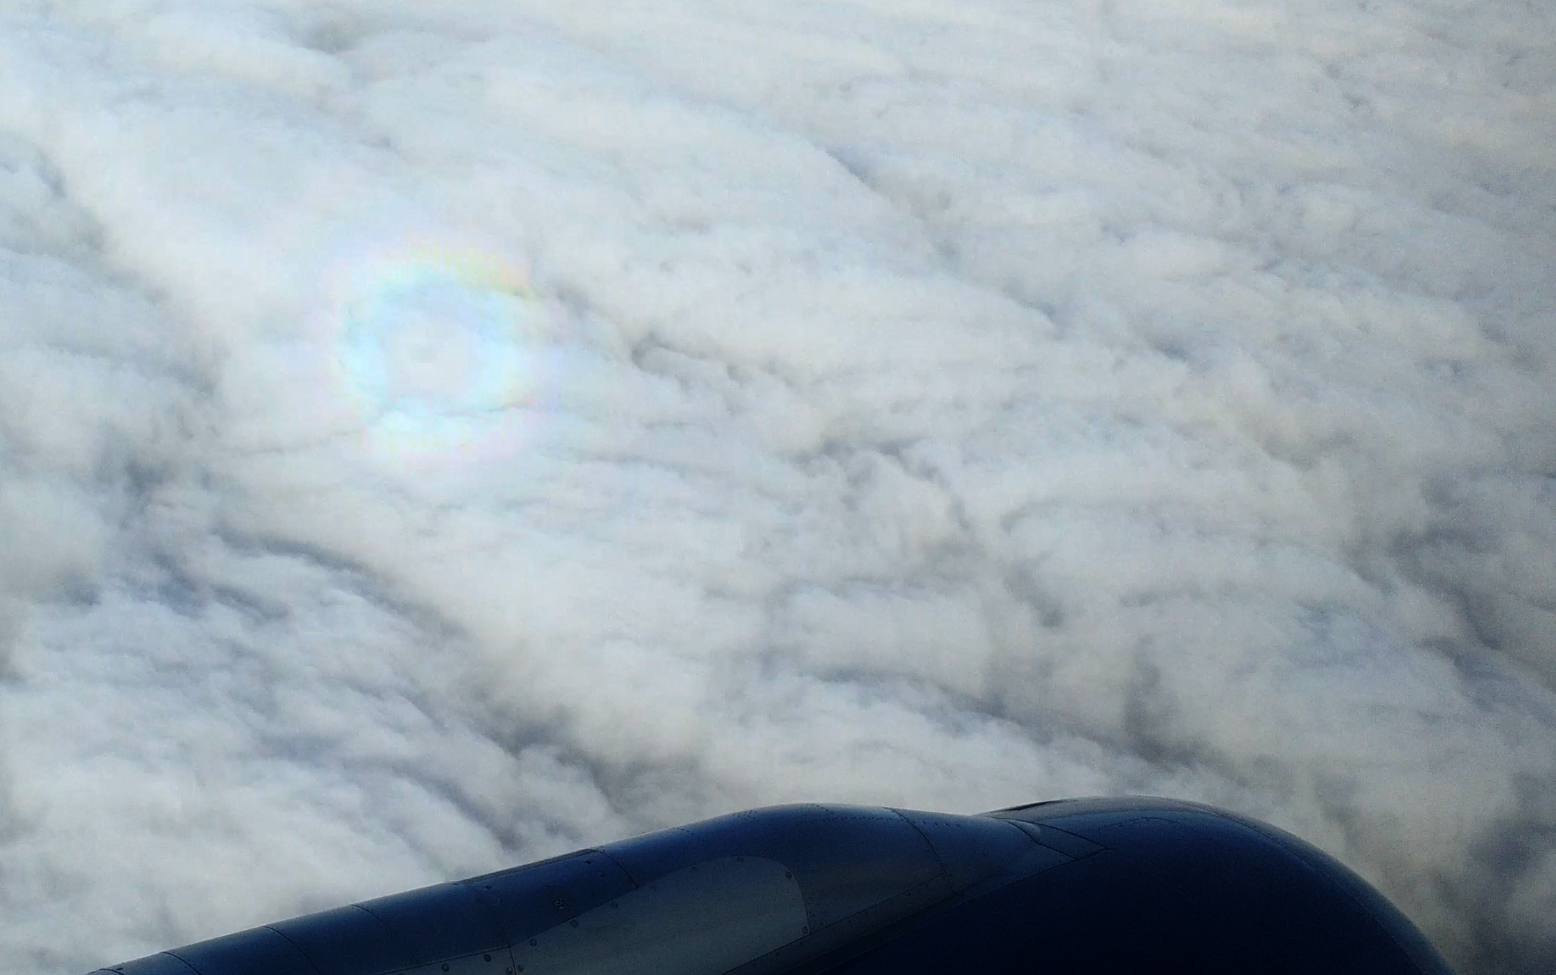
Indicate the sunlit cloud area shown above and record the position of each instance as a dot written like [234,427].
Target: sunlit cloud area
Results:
[436,436]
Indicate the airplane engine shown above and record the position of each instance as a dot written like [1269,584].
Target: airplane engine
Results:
[1126,885]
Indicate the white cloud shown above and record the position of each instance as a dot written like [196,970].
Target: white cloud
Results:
[936,404]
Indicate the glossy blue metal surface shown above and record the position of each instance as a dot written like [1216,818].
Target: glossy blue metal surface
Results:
[846,858]
[163,964]
[704,919]
[261,951]
[533,898]
[347,941]
[1250,862]
[1170,886]
[1101,885]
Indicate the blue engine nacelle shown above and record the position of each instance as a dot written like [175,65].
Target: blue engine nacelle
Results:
[1086,885]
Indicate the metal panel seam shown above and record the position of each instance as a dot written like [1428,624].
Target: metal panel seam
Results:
[170,955]
[389,933]
[636,884]
[944,870]
[295,947]
[495,916]
[181,961]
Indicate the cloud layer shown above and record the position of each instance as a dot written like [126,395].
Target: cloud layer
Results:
[432,439]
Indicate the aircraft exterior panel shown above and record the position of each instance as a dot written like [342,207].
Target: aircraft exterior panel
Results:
[1095,886]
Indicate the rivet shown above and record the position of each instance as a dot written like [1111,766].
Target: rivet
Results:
[533,942]
[445,966]
[487,957]
[787,875]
